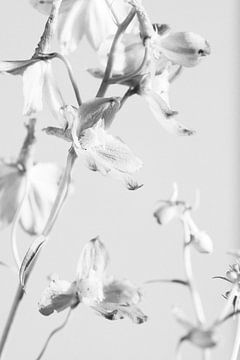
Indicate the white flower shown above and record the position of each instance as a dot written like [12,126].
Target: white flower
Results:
[90,18]
[111,298]
[177,209]
[28,187]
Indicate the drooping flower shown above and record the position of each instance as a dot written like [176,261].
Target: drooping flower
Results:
[112,298]
[104,152]
[149,61]
[36,72]
[27,188]
[96,19]
[177,209]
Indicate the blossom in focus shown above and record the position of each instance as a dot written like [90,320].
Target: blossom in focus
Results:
[177,209]
[200,336]
[111,298]
[88,129]
[27,188]
[92,18]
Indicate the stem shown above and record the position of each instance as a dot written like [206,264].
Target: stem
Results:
[197,302]
[62,193]
[169,281]
[59,328]
[236,346]
[70,74]
[109,68]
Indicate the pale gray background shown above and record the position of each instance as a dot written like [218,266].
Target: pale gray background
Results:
[206,97]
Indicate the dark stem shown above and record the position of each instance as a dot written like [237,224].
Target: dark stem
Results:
[109,68]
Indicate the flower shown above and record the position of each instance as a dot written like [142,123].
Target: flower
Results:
[112,298]
[92,18]
[88,129]
[36,72]
[200,336]
[150,60]
[178,209]
[27,188]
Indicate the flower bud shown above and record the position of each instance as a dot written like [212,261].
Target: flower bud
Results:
[165,213]
[184,48]
[202,242]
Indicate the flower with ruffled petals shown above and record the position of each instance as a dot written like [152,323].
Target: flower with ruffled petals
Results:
[91,18]
[113,299]
[105,153]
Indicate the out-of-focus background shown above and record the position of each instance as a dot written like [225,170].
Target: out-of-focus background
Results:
[207,99]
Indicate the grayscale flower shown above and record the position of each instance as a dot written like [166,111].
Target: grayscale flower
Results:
[111,298]
[177,209]
[28,188]
[91,18]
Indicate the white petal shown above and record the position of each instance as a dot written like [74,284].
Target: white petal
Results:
[58,296]
[45,6]
[72,27]
[165,117]
[17,66]
[12,185]
[33,80]
[121,292]
[113,153]
[184,48]
[43,187]
[182,319]
[93,260]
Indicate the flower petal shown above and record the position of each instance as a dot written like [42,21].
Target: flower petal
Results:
[121,292]
[184,48]
[12,185]
[33,80]
[113,311]
[44,179]
[58,296]
[16,67]
[45,6]
[167,120]
[93,260]
[72,27]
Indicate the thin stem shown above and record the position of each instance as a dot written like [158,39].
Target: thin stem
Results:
[55,331]
[236,345]
[109,68]
[169,281]
[71,76]
[197,302]
[62,193]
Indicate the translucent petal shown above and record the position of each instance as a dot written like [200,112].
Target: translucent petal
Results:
[58,296]
[113,311]
[93,260]
[184,48]
[113,153]
[121,292]
[33,80]
[17,66]
[43,187]
[44,6]
[72,27]
[202,338]
[167,120]
[12,185]
[182,319]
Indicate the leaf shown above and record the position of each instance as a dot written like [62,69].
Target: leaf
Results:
[30,257]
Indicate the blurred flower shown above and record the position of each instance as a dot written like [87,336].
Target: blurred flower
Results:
[111,298]
[27,187]
[36,72]
[149,61]
[178,209]
[87,128]
[200,336]
[92,18]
